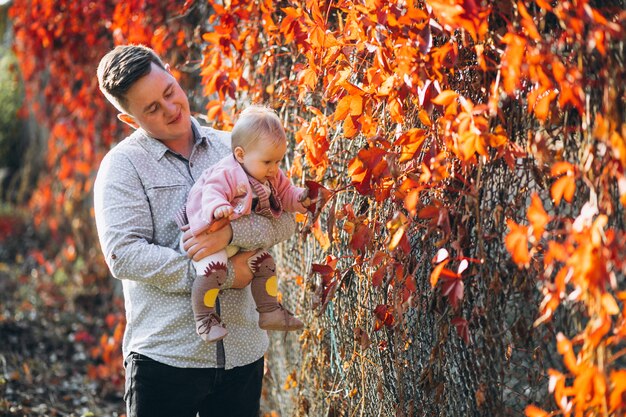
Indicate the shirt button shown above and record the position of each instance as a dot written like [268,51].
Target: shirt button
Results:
[113,256]
[191,164]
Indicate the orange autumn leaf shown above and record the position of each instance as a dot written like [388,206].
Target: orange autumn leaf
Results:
[308,78]
[534,411]
[410,142]
[564,347]
[349,105]
[537,216]
[527,22]
[434,276]
[424,118]
[350,128]
[445,97]
[589,388]
[470,143]
[617,398]
[321,237]
[517,243]
[609,304]
[560,168]
[539,101]
[512,61]
[563,187]
[544,5]
[597,329]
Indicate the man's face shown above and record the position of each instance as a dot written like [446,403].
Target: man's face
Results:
[156,103]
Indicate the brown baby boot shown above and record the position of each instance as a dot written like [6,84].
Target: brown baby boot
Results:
[264,286]
[204,294]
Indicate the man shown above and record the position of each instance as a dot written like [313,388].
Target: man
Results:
[141,184]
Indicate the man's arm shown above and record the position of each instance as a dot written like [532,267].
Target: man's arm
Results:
[255,233]
[125,230]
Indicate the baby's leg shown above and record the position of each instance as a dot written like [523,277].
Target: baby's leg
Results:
[211,273]
[264,286]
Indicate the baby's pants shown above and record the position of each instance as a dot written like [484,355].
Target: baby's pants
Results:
[212,273]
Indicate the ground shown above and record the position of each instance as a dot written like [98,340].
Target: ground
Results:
[47,351]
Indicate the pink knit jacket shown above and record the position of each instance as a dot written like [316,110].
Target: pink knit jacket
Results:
[226,183]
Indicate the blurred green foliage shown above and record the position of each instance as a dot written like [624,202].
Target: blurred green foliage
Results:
[11,97]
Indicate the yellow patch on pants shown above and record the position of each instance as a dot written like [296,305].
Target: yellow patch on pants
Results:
[271,286]
[210,296]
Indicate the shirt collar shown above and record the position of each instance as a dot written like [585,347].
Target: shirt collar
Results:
[157,149]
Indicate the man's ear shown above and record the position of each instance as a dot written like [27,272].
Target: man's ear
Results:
[128,119]
[239,154]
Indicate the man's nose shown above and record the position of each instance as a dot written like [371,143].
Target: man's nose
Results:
[170,108]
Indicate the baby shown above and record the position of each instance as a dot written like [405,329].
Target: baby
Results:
[247,181]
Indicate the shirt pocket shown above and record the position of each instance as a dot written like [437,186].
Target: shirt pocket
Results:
[165,200]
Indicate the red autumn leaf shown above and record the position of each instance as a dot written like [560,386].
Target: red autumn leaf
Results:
[544,5]
[384,316]
[329,280]
[379,275]
[452,287]
[517,242]
[326,271]
[320,235]
[308,78]
[462,328]
[319,194]
[343,108]
[361,237]
[367,167]
[429,212]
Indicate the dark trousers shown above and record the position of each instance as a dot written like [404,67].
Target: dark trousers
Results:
[154,389]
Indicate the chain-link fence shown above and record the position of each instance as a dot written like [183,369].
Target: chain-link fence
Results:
[341,366]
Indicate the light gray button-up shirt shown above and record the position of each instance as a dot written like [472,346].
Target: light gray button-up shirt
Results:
[140,186]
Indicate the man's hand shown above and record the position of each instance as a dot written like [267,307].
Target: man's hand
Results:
[206,243]
[243,274]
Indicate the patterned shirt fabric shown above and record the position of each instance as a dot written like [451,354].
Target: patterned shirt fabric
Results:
[140,186]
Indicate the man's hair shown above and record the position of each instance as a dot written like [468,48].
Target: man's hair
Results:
[121,68]
[254,123]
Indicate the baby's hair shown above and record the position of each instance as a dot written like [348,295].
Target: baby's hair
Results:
[257,122]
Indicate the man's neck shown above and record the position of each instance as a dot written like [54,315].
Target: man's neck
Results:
[181,147]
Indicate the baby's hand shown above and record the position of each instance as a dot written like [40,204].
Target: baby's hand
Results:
[222,212]
[304,199]
[306,202]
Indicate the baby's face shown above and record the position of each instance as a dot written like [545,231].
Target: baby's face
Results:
[262,159]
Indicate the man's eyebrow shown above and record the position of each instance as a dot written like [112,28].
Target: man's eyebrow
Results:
[167,88]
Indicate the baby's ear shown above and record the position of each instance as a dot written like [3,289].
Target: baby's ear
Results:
[239,154]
